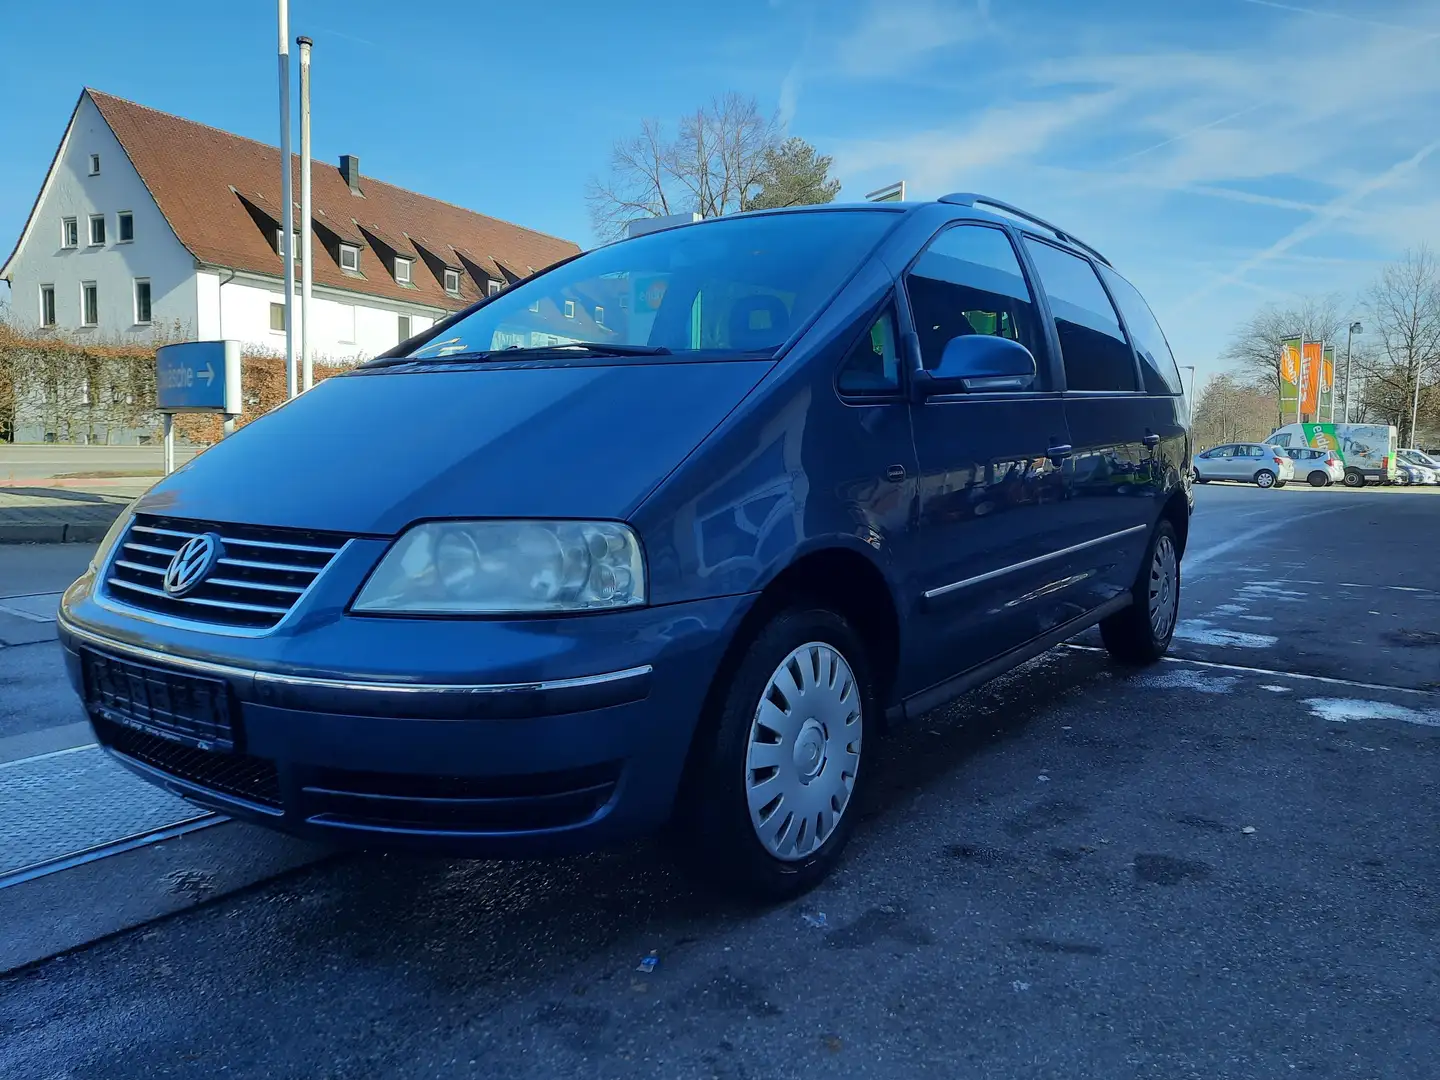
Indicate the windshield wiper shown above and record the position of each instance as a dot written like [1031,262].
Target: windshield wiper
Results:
[517,352]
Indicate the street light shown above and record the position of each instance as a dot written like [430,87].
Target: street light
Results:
[1355,328]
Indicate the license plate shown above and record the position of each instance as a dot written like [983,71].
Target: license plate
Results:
[184,708]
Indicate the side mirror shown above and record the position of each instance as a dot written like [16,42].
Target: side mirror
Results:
[978,362]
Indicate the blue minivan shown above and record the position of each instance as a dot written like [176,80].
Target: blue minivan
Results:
[661,539]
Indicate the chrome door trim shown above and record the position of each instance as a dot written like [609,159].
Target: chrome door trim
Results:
[956,586]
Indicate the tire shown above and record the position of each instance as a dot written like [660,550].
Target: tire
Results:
[1198,478]
[1265,478]
[1281,483]
[1319,479]
[719,834]
[1354,478]
[1141,633]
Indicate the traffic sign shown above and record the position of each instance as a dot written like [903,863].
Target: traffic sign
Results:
[198,376]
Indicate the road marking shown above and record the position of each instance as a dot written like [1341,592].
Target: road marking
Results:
[1328,679]
[1397,588]
[1193,560]
[51,754]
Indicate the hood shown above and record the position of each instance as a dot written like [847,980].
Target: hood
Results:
[370,454]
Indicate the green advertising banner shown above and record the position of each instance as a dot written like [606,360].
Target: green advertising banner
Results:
[1290,377]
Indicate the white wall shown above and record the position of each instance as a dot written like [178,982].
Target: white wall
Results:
[155,253]
[344,327]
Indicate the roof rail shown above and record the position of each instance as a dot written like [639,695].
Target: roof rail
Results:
[969,198]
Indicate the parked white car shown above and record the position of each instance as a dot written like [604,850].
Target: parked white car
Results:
[1319,468]
[1251,463]
[1421,460]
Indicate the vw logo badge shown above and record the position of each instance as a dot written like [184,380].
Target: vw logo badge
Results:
[190,565]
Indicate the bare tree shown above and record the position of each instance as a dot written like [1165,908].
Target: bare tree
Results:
[725,157]
[1231,409]
[1403,310]
[1255,348]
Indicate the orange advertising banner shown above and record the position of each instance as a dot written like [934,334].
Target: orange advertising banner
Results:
[1311,362]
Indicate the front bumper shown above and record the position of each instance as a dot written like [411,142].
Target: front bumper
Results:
[496,756]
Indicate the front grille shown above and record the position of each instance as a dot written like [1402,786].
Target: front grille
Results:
[459,803]
[260,574]
[194,710]
[240,775]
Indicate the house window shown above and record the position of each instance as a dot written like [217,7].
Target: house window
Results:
[599,315]
[47,305]
[69,232]
[97,229]
[494,287]
[452,282]
[94,164]
[402,275]
[125,221]
[535,306]
[277,317]
[89,304]
[569,309]
[350,257]
[142,301]
[404,327]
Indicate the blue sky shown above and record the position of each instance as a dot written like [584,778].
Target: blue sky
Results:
[1222,153]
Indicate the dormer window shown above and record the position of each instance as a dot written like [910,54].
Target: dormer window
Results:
[452,282]
[350,258]
[402,271]
[494,287]
[569,309]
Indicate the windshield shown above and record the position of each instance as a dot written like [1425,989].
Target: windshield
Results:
[739,285]
[1415,457]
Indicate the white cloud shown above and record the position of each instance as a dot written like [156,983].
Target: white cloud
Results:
[893,35]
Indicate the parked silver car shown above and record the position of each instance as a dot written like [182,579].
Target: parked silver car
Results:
[1423,461]
[1252,463]
[1320,468]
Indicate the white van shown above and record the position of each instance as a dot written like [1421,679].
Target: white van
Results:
[1368,450]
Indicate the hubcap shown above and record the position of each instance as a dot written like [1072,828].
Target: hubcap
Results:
[804,751]
[1265,479]
[1164,588]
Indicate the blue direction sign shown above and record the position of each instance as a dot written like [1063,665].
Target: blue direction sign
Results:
[198,376]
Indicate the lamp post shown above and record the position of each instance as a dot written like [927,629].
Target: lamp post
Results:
[1355,328]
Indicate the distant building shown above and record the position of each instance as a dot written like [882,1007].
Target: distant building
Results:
[147,223]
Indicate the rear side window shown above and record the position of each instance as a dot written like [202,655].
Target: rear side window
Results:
[1157,362]
[1096,354]
[969,281]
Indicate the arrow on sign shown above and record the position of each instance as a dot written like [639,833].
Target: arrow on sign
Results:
[209,373]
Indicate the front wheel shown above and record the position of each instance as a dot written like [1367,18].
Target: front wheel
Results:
[1141,633]
[768,806]
[1198,478]
[1265,478]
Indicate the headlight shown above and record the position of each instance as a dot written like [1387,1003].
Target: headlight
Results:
[111,538]
[507,567]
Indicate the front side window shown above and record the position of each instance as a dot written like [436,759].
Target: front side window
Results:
[89,304]
[1096,354]
[125,221]
[97,229]
[142,301]
[872,367]
[969,281]
[69,232]
[47,305]
[736,285]
[1157,362]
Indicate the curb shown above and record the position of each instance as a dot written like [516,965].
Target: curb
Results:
[30,532]
[83,485]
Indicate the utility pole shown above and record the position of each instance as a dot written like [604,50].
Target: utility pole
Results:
[307,369]
[287,200]
[1355,328]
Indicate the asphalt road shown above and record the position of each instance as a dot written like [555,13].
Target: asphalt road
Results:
[41,461]
[1218,869]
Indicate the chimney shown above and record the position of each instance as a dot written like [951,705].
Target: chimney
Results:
[350,170]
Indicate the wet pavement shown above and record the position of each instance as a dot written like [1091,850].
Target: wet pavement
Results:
[1227,868]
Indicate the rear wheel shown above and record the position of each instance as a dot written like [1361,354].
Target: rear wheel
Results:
[768,809]
[1141,633]
[1264,478]
[1198,478]
[1319,479]
[1354,478]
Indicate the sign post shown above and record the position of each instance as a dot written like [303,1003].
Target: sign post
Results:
[196,377]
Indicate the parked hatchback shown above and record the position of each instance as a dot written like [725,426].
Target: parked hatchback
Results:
[1251,463]
[1319,468]
[669,533]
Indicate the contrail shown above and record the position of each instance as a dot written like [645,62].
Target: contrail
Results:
[1335,15]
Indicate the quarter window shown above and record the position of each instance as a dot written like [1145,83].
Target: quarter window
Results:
[1096,354]
[969,281]
[1157,362]
[872,366]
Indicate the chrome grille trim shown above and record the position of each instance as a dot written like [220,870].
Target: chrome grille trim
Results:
[245,596]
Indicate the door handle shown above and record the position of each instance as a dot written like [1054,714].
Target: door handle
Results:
[1151,439]
[1057,454]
